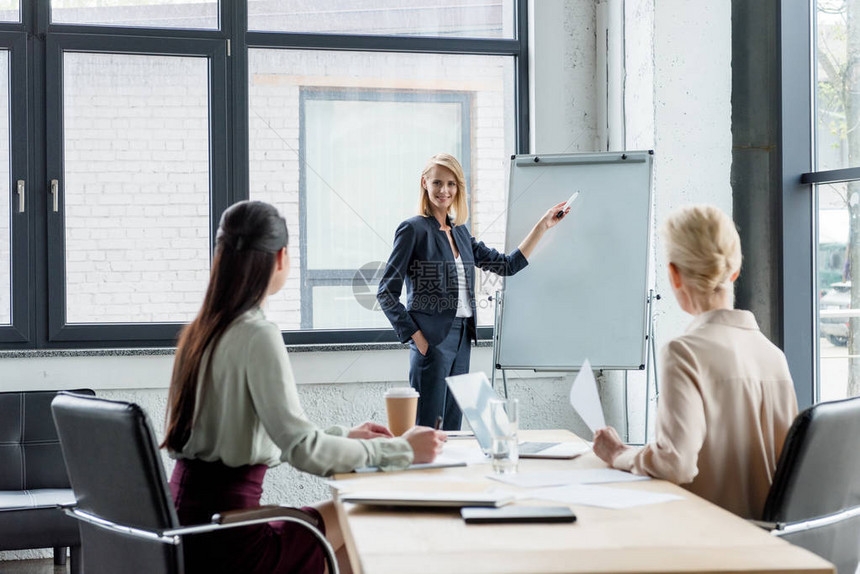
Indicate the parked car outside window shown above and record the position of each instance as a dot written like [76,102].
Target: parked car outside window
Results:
[833,307]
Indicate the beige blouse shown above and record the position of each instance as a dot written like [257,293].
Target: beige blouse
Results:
[726,404]
[248,411]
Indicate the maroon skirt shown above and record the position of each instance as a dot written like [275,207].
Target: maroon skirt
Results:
[201,489]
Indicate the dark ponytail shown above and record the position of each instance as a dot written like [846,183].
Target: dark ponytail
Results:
[250,235]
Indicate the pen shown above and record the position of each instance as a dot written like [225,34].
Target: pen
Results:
[566,205]
[438,424]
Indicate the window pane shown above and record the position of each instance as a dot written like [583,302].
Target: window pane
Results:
[337,130]
[10,11]
[136,140]
[837,112]
[5,202]
[839,330]
[341,156]
[151,13]
[448,18]
[335,308]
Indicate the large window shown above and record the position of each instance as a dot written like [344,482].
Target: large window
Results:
[820,203]
[147,118]
[837,148]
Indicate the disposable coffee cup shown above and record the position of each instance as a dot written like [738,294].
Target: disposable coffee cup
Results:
[401,403]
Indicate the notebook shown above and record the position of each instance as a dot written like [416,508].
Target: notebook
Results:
[432,499]
[473,392]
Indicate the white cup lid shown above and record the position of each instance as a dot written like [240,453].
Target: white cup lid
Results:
[401,392]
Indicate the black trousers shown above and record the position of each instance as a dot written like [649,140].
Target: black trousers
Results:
[427,376]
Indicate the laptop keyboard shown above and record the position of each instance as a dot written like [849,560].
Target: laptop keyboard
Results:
[534,447]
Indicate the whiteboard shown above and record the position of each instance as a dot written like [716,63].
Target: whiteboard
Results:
[584,293]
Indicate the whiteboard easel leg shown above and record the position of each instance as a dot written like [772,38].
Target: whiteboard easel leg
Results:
[496,328]
[626,409]
[651,353]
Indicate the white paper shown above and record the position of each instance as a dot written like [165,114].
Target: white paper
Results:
[469,454]
[565,477]
[602,496]
[585,399]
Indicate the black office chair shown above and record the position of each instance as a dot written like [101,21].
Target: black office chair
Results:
[814,501]
[33,478]
[127,519]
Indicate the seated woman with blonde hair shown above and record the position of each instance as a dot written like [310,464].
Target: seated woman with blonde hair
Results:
[726,399]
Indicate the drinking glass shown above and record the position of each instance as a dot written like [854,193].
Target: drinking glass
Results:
[504,419]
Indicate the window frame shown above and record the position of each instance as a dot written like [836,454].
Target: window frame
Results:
[21,223]
[57,45]
[312,278]
[37,252]
[799,221]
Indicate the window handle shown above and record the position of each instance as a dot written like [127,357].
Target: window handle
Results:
[55,193]
[20,196]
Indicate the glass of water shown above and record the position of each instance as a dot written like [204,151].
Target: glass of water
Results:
[504,418]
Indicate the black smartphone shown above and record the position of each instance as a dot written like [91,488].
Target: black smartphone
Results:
[521,514]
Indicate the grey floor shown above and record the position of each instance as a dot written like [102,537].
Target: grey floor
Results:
[45,566]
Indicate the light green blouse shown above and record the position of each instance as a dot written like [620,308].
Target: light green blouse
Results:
[248,411]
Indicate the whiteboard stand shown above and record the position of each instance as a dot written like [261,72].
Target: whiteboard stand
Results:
[594,271]
[652,361]
[496,332]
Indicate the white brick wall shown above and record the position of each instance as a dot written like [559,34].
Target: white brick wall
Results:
[136,187]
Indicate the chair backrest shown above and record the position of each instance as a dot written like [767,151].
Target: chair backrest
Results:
[117,475]
[30,454]
[818,475]
[819,468]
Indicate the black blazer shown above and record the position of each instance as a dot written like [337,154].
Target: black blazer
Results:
[422,258]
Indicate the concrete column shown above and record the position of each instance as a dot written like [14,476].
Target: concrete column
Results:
[756,182]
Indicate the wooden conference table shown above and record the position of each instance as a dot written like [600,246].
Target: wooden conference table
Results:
[688,535]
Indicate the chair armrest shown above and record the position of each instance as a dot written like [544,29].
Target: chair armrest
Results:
[231,519]
[271,512]
[261,515]
[765,525]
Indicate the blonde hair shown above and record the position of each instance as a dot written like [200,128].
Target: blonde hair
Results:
[704,245]
[460,205]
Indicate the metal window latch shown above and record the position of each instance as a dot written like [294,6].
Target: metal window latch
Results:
[20,196]
[55,193]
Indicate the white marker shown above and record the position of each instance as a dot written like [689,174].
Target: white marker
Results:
[567,205]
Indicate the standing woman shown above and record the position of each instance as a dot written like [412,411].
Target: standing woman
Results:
[726,397]
[233,411]
[435,255]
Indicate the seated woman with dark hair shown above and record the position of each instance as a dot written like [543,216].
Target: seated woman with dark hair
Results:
[234,411]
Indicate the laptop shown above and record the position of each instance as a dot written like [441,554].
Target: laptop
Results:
[473,392]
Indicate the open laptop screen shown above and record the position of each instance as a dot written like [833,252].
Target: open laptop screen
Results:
[473,392]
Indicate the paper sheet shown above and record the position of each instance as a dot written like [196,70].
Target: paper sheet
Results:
[452,456]
[438,463]
[460,453]
[604,497]
[585,399]
[565,477]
